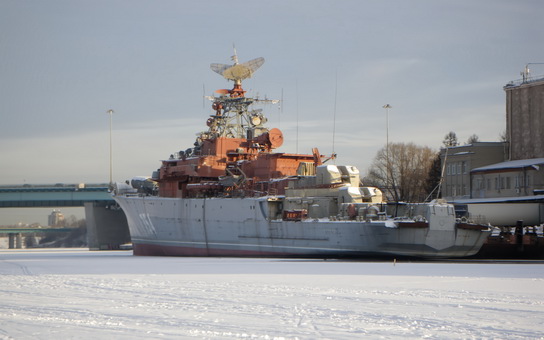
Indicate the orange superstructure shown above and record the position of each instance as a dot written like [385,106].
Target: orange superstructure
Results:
[236,153]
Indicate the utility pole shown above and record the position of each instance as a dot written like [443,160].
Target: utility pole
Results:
[110,112]
[387,107]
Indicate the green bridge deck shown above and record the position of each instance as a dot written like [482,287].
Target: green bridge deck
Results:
[32,196]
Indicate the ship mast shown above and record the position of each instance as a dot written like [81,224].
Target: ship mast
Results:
[233,118]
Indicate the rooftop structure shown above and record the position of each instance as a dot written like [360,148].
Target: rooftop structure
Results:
[525,116]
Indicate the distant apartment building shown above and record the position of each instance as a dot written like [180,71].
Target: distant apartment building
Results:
[459,162]
[55,219]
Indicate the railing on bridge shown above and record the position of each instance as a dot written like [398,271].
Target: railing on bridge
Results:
[26,230]
[57,195]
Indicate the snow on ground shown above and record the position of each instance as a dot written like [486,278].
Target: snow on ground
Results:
[67,293]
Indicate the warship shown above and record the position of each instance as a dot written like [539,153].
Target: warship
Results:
[232,194]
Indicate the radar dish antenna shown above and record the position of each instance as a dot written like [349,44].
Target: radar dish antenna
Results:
[237,72]
[235,56]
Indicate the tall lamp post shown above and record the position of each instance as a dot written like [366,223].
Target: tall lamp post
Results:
[110,112]
[387,107]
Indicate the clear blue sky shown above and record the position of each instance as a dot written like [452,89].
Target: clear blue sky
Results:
[63,64]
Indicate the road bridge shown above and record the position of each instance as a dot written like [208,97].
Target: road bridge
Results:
[32,196]
[25,230]
[107,226]
[15,233]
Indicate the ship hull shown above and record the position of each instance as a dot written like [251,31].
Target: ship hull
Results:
[241,227]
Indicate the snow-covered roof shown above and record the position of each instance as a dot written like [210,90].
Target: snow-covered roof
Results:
[463,153]
[517,164]
[537,198]
[461,146]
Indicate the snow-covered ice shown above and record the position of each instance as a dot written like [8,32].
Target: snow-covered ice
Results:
[67,293]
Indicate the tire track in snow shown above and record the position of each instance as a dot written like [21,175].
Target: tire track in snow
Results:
[24,269]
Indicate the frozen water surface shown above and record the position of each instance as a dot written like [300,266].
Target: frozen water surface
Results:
[68,294]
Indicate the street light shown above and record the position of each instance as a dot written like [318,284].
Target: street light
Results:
[110,112]
[387,107]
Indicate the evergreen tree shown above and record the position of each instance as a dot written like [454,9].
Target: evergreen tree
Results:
[434,177]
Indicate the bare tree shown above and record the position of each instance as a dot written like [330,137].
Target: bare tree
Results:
[473,139]
[450,139]
[503,137]
[402,177]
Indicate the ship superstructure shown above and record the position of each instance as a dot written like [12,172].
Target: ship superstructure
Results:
[232,195]
[233,157]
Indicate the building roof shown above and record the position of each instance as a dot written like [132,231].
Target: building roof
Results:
[514,199]
[538,80]
[465,146]
[517,164]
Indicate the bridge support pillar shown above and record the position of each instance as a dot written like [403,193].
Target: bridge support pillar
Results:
[19,241]
[11,241]
[15,241]
[107,226]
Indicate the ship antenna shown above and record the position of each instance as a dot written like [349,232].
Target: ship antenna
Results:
[280,109]
[334,113]
[235,56]
[296,92]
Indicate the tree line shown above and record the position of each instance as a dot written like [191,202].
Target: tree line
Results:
[408,172]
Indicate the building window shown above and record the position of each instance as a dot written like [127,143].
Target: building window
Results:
[507,182]
[521,181]
[478,184]
[459,168]
[448,172]
[489,184]
[464,167]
